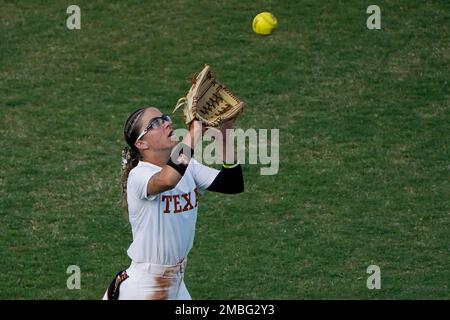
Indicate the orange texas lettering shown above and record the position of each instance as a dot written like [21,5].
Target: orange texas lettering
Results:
[178,203]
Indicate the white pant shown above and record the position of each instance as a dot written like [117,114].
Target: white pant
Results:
[148,281]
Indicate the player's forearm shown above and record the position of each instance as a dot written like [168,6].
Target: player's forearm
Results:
[228,152]
[170,174]
[194,134]
[177,164]
[164,180]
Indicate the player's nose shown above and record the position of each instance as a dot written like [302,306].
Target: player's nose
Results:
[168,126]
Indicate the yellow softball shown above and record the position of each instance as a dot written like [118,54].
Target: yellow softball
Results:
[264,23]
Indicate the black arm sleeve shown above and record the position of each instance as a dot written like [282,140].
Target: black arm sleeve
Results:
[229,180]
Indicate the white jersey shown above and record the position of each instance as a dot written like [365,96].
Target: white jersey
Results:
[163,225]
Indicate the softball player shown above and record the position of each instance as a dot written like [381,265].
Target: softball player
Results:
[161,197]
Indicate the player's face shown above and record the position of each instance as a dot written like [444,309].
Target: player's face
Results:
[156,130]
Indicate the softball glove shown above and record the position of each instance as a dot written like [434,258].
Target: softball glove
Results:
[209,101]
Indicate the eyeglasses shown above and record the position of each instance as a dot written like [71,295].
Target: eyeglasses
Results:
[155,123]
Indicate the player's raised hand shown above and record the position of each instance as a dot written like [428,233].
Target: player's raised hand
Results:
[196,130]
[226,125]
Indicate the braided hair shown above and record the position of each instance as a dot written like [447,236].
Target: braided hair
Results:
[130,154]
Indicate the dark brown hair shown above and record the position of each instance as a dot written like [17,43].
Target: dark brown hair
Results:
[130,154]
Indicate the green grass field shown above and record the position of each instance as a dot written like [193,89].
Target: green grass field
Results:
[364,123]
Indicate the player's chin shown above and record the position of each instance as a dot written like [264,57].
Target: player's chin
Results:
[172,142]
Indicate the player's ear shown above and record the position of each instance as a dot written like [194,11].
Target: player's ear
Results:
[141,144]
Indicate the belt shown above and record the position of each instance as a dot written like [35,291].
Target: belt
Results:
[159,269]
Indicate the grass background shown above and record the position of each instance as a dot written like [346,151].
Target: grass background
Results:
[364,133]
